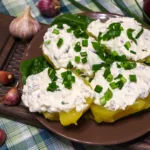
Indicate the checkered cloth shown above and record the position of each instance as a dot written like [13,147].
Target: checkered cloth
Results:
[24,137]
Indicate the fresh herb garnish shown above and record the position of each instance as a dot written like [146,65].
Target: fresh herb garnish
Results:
[107,96]
[130,35]
[52,86]
[68,79]
[55,31]
[77,47]
[60,42]
[127,45]
[113,85]
[133,52]
[140,33]
[83,54]
[127,65]
[52,74]
[109,78]
[97,67]
[84,60]
[77,59]
[133,78]
[84,43]
[69,30]
[114,30]
[69,66]
[98,89]
[47,42]
[106,72]
[60,26]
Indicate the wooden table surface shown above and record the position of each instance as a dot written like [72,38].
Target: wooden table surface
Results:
[11,52]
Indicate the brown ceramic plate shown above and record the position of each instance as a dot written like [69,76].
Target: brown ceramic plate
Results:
[88,131]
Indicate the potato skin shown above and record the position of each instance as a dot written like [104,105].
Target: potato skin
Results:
[101,114]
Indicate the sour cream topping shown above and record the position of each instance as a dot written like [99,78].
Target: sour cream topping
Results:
[60,57]
[38,99]
[141,48]
[130,92]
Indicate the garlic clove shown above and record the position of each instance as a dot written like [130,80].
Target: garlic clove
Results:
[49,8]
[6,77]
[24,27]
[12,97]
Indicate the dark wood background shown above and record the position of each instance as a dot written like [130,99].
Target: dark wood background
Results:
[11,53]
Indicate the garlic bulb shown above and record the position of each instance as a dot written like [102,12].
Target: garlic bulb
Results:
[24,27]
[49,8]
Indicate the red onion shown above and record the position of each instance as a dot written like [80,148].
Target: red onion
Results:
[12,97]
[2,137]
[146,7]
[6,77]
[49,8]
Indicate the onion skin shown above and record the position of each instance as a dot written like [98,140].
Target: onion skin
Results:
[6,77]
[146,7]
[24,27]
[12,98]
[49,8]
[2,137]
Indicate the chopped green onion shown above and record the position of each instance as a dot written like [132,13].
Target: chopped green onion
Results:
[84,60]
[78,71]
[60,26]
[69,30]
[47,42]
[114,54]
[83,54]
[55,31]
[107,96]
[128,65]
[60,42]
[84,43]
[77,59]
[99,36]
[69,66]
[127,45]
[77,47]
[52,74]
[114,31]
[106,73]
[140,33]
[133,78]
[120,84]
[133,52]
[109,78]
[98,89]
[123,79]
[130,36]
[52,87]
[113,85]
[118,66]
[68,85]
[96,45]
[118,77]
[97,67]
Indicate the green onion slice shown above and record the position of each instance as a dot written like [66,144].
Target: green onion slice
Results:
[55,31]
[60,42]
[98,89]
[127,45]
[83,54]
[133,78]
[130,36]
[107,96]
[84,60]
[77,59]
[47,42]
[77,47]
[69,66]
[52,87]
[84,43]
[140,33]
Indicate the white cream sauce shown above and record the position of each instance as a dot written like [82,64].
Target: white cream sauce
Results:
[38,99]
[142,48]
[130,92]
[61,56]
